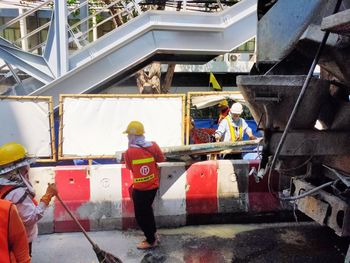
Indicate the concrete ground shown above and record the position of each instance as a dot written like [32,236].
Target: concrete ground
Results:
[275,242]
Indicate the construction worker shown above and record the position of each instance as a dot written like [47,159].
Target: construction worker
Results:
[15,187]
[224,109]
[141,159]
[232,128]
[13,238]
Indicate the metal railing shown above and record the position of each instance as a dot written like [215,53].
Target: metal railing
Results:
[100,13]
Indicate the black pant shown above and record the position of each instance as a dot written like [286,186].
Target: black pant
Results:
[144,212]
[30,249]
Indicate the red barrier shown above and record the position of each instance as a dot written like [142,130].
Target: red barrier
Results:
[74,189]
[128,214]
[201,188]
[260,199]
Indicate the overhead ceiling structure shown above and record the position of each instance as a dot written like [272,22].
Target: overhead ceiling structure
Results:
[180,37]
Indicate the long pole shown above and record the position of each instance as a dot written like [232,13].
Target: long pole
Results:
[76,220]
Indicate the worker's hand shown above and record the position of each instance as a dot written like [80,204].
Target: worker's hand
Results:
[252,137]
[51,191]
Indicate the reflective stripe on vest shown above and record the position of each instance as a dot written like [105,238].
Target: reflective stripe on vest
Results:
[144,179]
[144,169]
[232,130]
[4,222]
[143,161]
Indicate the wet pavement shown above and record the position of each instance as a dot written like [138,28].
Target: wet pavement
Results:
[275,242]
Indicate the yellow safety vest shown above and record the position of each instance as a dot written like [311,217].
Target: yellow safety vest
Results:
[232,130]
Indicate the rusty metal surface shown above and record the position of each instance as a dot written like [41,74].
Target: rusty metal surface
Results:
[312,206]
[324,208]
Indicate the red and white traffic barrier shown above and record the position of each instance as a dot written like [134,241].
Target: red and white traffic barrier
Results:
[99,195]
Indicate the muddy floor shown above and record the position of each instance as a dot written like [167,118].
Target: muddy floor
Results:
[275,242]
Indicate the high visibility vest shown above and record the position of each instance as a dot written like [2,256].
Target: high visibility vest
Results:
[4,235]
[144,169]
[232,130]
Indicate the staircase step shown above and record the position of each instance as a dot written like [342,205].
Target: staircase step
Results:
[338,23]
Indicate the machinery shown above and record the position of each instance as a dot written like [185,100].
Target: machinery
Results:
[305,114]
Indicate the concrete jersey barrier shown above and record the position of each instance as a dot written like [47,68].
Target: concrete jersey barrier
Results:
[99,195]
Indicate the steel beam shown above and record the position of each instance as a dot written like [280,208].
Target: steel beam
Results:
[32,64]
[152,33]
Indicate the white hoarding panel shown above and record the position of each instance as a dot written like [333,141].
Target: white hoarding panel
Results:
[28,121]
[93,126]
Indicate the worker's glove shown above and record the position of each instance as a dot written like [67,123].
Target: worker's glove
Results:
[51,191]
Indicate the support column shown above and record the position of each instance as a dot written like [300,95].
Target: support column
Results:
[94,30]
[60,11]
[23,29]
[84,13]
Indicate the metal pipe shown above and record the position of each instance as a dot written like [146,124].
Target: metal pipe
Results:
[203,148]
[29,12]
[312,191]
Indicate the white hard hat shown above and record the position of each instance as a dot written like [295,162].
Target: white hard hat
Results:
[236,108]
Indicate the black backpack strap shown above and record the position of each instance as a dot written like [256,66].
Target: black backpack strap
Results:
[8,231]
[3,196]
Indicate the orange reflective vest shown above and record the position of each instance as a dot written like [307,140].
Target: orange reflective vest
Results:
[232,130]
[6,189]
[144,168]
[4,234]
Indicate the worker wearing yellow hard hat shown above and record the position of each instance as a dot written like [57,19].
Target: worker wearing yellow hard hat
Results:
[141,159]
[135,128]
[16,187]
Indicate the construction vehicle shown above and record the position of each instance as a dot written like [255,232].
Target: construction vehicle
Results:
[305,116]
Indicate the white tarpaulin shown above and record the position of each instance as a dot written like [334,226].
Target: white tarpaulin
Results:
[93,126]
[27,120]
[205,101]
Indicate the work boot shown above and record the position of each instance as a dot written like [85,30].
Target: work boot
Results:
[145,245]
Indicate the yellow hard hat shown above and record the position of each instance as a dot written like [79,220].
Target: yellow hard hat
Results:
[223,103]
[12,156]
[135,127]
[11,152]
